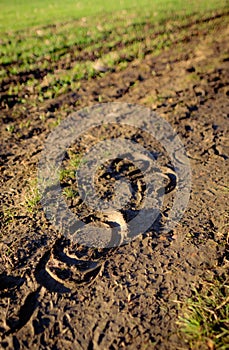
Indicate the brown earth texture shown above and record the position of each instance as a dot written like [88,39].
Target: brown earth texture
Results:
[57,294]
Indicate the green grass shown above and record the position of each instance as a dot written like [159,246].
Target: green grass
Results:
[67,174]
[53,60]
[7,215]
[69,171]
[65,53]
[32,196]
[70,193]
[205,323]
[17,15]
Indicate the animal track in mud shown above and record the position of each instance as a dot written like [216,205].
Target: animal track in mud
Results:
[8,281]
[16,317]
[25,312]
[66,265]
[60,270]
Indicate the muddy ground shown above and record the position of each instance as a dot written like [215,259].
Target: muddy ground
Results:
[130,297]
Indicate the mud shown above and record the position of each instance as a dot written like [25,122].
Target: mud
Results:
[58,295]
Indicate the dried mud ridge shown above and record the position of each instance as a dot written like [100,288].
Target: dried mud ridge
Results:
[66,266]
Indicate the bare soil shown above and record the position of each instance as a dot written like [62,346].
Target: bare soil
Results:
[57,295]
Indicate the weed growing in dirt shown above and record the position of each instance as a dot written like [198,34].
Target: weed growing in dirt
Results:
[206,319]
[55,123]
[65,174]
[69,193]
[32,196]
[68,172]
[10,128]
[7,215]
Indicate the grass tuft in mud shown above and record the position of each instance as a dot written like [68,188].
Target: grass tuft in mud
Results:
[206,317]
